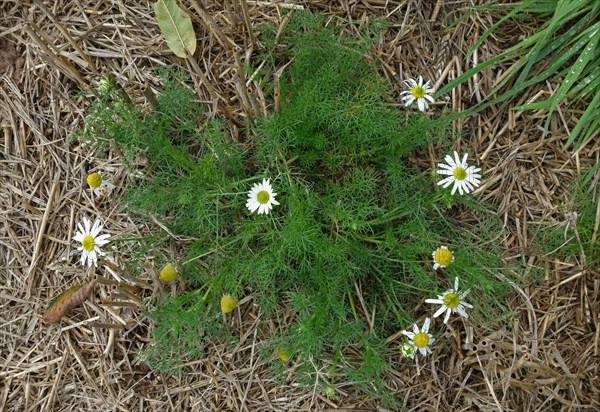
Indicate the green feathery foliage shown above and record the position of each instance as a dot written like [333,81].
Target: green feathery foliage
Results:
[354,213]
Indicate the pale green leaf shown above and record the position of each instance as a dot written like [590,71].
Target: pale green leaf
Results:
[176,27]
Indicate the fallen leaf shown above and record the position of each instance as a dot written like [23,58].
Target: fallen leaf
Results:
[176,27]
[70,298]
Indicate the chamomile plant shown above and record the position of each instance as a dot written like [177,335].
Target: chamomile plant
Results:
[319,202]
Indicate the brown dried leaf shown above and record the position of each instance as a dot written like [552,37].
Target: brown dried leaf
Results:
[70,298]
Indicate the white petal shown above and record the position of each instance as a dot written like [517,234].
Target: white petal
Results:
[451,161]
[456,284]
[421,104]
[440,311]
[96,228]
[438,301]
[426,325]
[252,205]
[445,166]
[448,312]
[409,334]
[446,181]
[428,97]
[461,311]
[457,159]
[454,187]
[102,239]
[87,224]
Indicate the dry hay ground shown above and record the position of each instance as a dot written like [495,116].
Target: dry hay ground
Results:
[51,50]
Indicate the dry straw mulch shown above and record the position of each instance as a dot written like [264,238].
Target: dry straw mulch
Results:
[54,51]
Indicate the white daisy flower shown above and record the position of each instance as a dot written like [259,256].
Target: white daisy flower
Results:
[87,235]
[442,257]
[419,92]
[465,178]
[99,185]
[261,197]
[408,349]
[421,338]
[452,302]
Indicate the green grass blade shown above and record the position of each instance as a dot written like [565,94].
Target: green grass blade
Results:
[589,121]
[565,11]
[593,33]
[520,8]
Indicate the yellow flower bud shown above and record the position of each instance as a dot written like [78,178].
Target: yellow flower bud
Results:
[283,354]
[94,180]
[168,273]
[228,303]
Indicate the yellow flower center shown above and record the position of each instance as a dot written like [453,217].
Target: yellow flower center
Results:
[421,340]
[460,173]
[88,243]
[451,300]
[443,257]
[263,197]
[418,92]
[94,180]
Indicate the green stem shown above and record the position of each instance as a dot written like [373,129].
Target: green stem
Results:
[352,305]
[209,252]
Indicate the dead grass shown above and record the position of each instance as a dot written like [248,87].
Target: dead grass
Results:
[547,360]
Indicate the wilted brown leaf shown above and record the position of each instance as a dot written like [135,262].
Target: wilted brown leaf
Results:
[67,300]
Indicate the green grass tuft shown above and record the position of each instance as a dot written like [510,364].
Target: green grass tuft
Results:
[576,239]
[565,49]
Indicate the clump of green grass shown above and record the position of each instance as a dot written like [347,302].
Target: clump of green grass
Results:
[564,49]
[575,241]
[352,210]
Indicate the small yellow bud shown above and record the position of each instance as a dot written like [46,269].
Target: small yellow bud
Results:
[228,303]
[168,273]
[94,180]
[283,354]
